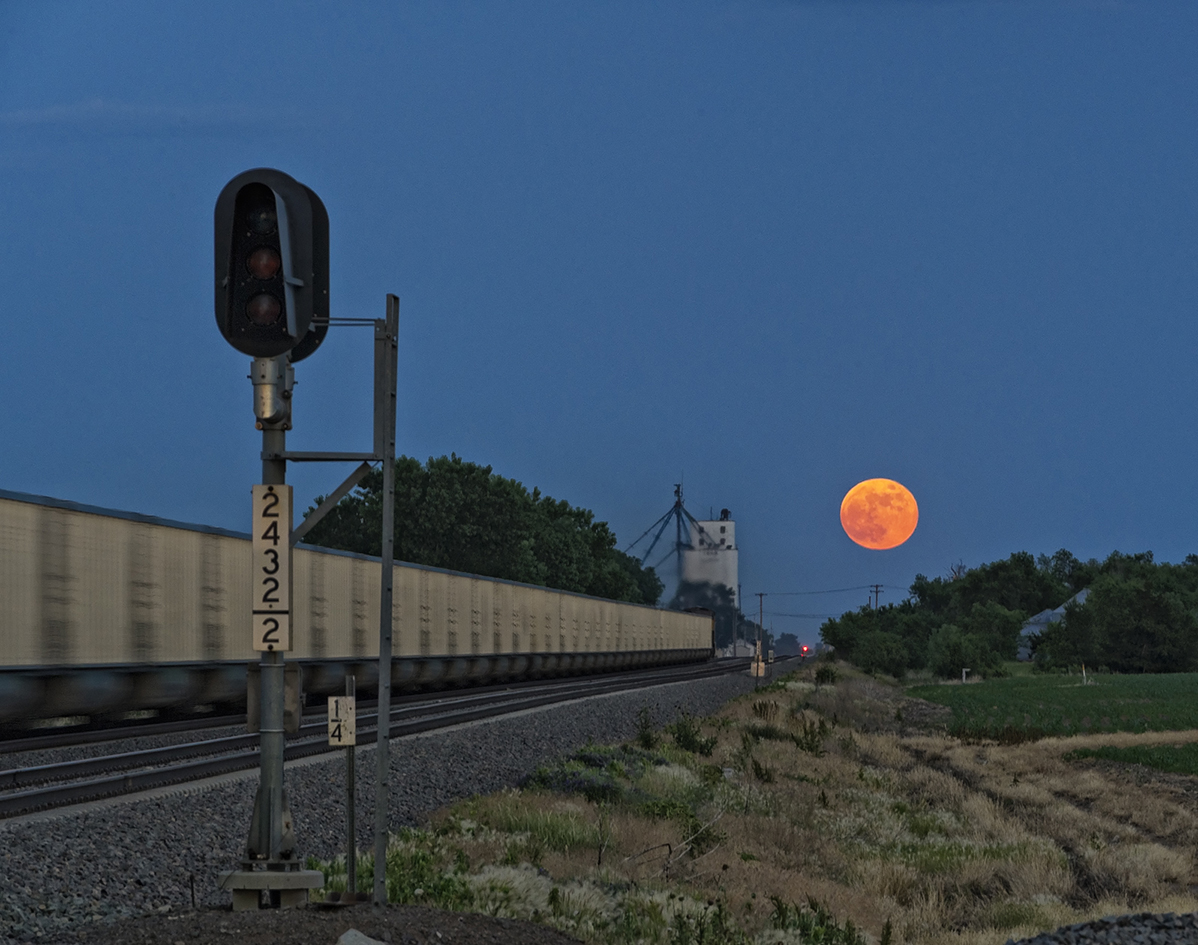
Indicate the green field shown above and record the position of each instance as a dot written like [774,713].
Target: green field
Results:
[1180,759]
[1035,706]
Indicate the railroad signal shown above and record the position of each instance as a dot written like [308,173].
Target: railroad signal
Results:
[271,265]
[805,651]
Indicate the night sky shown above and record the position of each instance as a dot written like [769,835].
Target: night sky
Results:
[770,248]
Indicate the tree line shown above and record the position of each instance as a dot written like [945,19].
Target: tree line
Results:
[1140,616]
[461,516]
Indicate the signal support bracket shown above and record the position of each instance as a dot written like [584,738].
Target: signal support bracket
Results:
[386,333]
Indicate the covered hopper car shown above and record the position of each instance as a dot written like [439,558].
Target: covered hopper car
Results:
[105,613]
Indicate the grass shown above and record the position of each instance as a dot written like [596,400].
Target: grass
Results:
[810,812]
[1031,707]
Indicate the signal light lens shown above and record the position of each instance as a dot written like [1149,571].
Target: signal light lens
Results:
[263,309]
[262,220]
[264,263]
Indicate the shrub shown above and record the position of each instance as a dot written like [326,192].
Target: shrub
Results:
[646,737]
[811,735]
[689,737]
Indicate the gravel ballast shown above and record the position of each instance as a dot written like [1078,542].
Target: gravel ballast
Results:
[64,870]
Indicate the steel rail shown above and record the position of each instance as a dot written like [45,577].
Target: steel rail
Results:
[120,731]
[434,717]
[106,764]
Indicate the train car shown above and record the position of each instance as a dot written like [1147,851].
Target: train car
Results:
[105,612]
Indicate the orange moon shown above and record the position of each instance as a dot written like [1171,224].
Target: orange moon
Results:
[879,514]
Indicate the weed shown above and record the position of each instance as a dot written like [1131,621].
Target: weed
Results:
[761,772]
[646,737]
[659,808]
[555,831]
[530,850]
[712,926]
[600,774]
[421,870]
[689,737]
[811,735]
[765,709]
[574,778]
[769,732]
[814,923]
[826,675]
[711,775]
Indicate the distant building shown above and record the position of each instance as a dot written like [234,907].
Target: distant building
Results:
[1039,623]
[712,556]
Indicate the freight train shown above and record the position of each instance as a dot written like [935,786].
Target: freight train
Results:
[108,614]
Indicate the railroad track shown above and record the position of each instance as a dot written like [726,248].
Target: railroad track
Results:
[42,787]
[28,741]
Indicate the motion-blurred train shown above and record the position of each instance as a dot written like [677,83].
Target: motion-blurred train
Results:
[106,613]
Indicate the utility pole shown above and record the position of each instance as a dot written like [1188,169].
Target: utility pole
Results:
[678,529]
[877,589]
[737,638]
[758,663]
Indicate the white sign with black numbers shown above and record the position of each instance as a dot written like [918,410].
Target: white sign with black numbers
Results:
[271,584]
[343,726]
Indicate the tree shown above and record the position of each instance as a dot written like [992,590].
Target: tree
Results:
[877,651]
[463,517]
[786,645]
[1138,618]
[951,650]
[996,627]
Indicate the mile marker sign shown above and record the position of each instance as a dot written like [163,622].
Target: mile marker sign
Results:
[271,585]
[343,726]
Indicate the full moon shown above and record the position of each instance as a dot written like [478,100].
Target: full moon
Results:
[879,514]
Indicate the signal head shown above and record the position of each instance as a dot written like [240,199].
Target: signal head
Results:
[271,256]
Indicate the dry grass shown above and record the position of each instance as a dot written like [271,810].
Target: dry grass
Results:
[954,843]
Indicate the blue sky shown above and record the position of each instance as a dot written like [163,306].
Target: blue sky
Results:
[772,247]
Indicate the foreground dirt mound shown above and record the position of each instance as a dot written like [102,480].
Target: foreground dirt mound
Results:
[399,925]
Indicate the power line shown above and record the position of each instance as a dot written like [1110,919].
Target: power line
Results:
[835,590]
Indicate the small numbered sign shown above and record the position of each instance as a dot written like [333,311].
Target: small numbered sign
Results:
[271,584]
[343,727]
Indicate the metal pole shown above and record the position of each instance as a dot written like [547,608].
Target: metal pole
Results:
[386,348]
[270,787]
[351,853]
